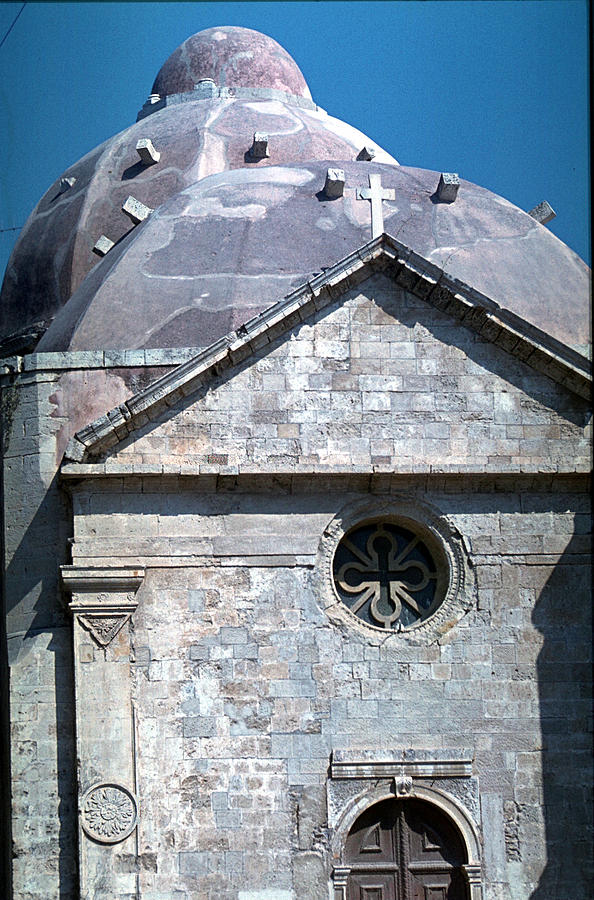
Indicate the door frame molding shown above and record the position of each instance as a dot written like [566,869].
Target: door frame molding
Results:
[439,798]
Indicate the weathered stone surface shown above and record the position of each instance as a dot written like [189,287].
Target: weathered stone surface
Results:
[230,56]
[219,723]
[93,206]
[380,380]
[310,876]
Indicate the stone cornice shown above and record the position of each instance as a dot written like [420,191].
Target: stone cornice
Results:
[357,764]
[409,271]
[213,92]
[88,579]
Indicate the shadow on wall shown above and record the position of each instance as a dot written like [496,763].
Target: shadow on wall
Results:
[563,615]
[34,572]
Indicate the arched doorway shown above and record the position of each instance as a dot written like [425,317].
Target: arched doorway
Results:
[405,850]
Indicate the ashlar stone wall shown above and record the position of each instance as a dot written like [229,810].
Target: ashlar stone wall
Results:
[380,379]
[244,681]
[44,398]
[241,683]
[244,685]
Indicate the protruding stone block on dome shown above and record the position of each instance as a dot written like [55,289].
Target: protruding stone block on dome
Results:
[103,246]
[136,210]
[148,106]
[205,89]
[259,148]
[148,155]
[447,189]
[66,184]
[334,186]
[366,153]
[543,213]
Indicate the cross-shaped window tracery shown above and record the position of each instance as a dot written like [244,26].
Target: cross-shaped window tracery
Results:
[386,575]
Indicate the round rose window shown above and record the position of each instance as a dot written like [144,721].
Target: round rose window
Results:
[390,575]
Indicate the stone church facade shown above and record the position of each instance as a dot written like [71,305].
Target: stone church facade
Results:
[296,516]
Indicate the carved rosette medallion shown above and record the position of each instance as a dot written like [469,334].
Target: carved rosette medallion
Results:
[108,812]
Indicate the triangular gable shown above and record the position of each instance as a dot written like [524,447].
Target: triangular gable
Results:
[385,254]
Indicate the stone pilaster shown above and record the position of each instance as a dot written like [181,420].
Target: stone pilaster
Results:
[103,601]
[340,877]
[472,873]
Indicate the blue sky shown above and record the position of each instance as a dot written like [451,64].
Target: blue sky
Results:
[496,91]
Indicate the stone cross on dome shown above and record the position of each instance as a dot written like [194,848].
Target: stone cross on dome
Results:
[376,195]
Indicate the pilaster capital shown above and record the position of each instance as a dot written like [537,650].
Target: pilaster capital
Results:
[103,599]
[472,873]
[340,877]
[100,580]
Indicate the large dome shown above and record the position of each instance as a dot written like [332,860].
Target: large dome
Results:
[232,244]
[233,58]
[196,137]
[229,231]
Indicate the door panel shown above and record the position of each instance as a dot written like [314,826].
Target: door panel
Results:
[435,893]
[432,838]
[368,886]
[416,845]
[371,839]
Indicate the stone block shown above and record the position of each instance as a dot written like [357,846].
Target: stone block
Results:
[234,635]
[206,89]
[66,184]
[199,727]
[147,153]
[447,189]
[135,210]
[309,876]
[259,148]
[266,894]
[103,246]
[366,153]
[334,185]
[228,818]
[234,862]
[543,213]
[193,862]
[312,815]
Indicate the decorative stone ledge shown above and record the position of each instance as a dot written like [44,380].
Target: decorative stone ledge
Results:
[212,92]
[347,764]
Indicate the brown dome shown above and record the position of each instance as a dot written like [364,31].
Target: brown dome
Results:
[230,245]
[232,57]
[54,252]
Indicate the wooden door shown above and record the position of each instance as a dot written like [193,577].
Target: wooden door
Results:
[405,850]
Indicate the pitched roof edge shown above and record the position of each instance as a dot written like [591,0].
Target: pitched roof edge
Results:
[408,269]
